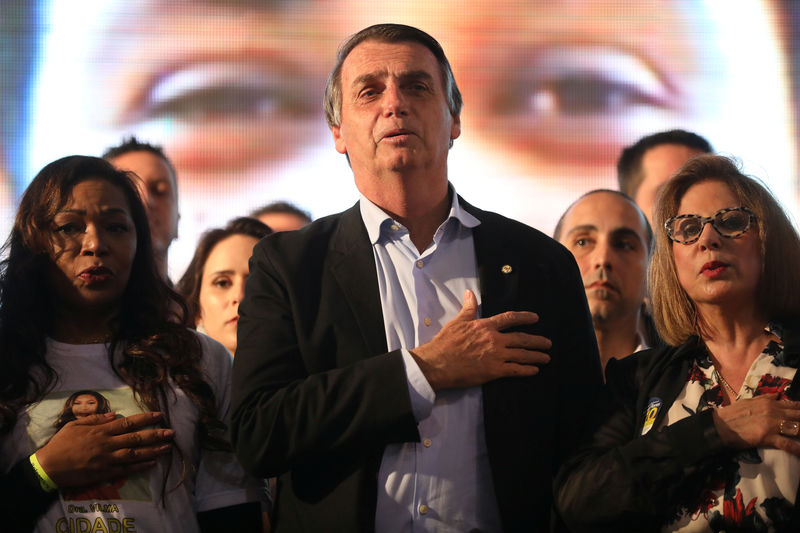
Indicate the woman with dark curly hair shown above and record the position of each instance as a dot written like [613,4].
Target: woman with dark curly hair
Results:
[213,284]
[704,434]
[82,307]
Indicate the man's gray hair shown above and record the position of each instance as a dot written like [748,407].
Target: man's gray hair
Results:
[388,33]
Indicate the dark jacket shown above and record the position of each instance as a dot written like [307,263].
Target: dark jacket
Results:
[624,481]
[316,398]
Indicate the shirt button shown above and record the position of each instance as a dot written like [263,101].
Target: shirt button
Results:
[420,263]
[423,509]
[395,227]
[427,321]
[427,443]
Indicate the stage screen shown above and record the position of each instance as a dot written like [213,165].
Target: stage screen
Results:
[232,90]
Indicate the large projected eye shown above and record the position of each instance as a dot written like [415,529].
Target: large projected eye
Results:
[216,90]
[583,81]
[577,104]
[226,115]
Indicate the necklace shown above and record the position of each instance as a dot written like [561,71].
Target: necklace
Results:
[733,393]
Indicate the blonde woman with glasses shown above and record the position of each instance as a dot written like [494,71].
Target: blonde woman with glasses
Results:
[702,435]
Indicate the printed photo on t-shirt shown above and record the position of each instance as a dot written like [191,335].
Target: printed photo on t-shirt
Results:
[59,408]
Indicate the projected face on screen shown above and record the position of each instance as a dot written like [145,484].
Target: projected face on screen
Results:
[225,86]
[552,90]
[232,90]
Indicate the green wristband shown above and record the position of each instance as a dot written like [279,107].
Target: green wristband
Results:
[46,483]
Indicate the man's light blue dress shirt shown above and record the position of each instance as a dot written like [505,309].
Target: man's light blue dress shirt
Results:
[442,483]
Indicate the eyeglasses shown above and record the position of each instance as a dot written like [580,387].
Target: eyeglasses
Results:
[730,222]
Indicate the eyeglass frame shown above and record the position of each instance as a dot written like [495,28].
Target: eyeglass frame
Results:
[706,220]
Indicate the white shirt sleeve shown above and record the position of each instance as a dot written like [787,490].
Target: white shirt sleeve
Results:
[221,481]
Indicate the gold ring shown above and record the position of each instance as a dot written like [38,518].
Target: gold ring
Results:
[789,428]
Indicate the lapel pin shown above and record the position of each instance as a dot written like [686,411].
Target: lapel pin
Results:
[506,269]
[651,412]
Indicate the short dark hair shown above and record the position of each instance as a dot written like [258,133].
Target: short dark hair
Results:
[388,33]
[648,230]
[132,144]
[629,165]
[283,208]
[191,281]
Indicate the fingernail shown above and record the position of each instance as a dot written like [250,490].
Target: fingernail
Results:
[168,433]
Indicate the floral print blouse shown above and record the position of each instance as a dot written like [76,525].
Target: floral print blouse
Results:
[756,489]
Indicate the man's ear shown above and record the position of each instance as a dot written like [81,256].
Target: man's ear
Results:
[338,139]
[455,129]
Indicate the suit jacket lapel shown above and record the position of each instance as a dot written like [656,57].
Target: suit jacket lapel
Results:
[353,268]
[498,266]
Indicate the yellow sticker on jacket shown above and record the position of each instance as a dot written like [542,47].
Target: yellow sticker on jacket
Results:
[650,415]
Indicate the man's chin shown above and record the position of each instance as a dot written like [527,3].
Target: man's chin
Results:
[603,311]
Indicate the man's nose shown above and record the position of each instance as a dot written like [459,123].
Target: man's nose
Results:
[143,192]
[395,101]
[601,255]
[147,199]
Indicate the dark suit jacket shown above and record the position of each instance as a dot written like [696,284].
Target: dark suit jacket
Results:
[316,398]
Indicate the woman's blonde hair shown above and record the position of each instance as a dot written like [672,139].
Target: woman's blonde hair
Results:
[674,313]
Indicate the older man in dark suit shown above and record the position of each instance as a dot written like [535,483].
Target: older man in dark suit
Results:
[413,362]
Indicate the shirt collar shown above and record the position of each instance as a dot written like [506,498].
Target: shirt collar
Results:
[376,218]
